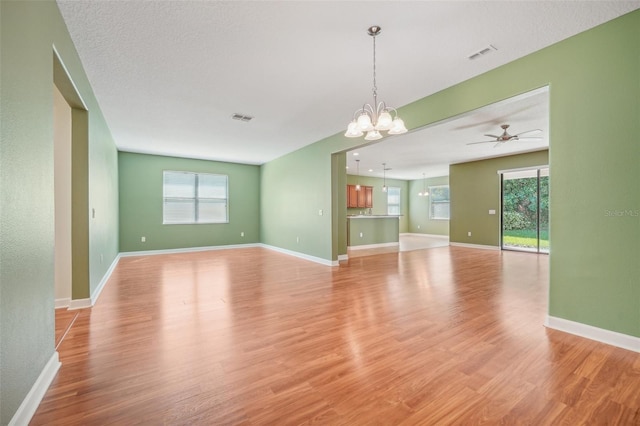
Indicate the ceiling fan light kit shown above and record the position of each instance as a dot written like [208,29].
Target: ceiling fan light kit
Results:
[376,117]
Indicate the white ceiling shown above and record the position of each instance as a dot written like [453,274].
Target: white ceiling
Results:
[168,75]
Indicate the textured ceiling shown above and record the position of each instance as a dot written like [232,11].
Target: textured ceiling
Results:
[168,75]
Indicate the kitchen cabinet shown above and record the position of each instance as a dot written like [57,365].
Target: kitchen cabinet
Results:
[360,199]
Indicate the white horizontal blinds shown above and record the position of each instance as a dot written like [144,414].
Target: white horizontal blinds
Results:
[393,200]
[179,197]
[439,206]
[212,198]
[194,198]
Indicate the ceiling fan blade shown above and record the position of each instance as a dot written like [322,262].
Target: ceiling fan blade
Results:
[528,131]
[494,136]
[530,138]
[473,143]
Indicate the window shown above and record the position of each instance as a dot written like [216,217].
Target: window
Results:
[439,202]
[393,200]
[194,198]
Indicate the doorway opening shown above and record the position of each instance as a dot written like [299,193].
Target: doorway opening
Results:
[525,210]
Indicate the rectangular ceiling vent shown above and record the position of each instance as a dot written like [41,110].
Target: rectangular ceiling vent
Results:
[482,52]
[241,117]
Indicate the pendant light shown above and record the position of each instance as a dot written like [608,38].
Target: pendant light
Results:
[377,117]
[358,175]
[384,177]
[424,192]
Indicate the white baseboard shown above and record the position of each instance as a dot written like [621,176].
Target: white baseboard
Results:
[79,304]
[103,281]
[609,337]
[187,250]
[302,255]
[415,234]
[476,246]
[62,302]
[370,246]
[30,403]
[343,257]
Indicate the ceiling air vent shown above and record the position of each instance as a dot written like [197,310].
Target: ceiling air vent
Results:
[241,117]
[482,52]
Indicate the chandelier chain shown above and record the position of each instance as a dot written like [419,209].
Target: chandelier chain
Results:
[375,88]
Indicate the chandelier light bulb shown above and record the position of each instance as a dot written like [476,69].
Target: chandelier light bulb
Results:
[364,122]
[373,135]
[384,121]
[358,187]
[384,188]
[353,131]
[397,127]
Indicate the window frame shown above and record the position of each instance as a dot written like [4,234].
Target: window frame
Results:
[399,201]
[196,199]
[432,202]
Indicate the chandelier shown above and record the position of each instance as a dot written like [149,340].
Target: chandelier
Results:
[377,117]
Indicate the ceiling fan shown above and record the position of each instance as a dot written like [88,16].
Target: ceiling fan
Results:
[506,137]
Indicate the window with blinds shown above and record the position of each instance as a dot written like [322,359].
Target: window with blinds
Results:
[439,202]
[194,198]
[393,201]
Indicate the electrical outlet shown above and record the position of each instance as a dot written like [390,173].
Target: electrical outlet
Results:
[242,234]
[320,212]
[297,239]
[143,239]
[469,234]
[418,226]
[101,258]
[361,235]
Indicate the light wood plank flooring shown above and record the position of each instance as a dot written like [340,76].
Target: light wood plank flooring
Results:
[448,335]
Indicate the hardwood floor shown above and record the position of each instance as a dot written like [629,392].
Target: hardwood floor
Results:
[64,321]
[447,335]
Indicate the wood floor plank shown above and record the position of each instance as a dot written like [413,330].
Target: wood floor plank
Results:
[446,335]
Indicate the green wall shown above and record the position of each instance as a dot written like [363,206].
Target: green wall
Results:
[299,186]
[29,31]
[380,198]
[367,231]
[141,204]
[594,80]
[419,222]
[475,189]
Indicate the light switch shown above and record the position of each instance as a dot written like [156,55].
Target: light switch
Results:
[492,211]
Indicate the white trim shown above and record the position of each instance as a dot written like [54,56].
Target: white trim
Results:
[475,246]
[103,281]
[609,337]
[523,169]
[343,257]
[302,255]
[415,234]
[30,403]
[79,304]
[368,246]
[187,250]
[62,303]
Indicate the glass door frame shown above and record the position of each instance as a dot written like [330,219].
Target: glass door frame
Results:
[538,174]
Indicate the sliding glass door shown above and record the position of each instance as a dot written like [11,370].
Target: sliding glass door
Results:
[525,210]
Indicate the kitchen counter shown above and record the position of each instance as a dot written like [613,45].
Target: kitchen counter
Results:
[375,231]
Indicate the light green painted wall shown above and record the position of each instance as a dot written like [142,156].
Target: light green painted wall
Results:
[368,231]
[419,222]
[141,204]
[594,81]
[475,189]
[380,198]
[299,186]
[28,32]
